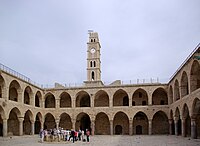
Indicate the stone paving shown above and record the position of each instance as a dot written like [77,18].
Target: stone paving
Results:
[146,140]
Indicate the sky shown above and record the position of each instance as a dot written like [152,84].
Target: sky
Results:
[46,40]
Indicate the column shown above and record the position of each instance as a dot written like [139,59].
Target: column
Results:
[170,126]
[73,124]
[150,126]
[183,127]
[93,127]
[42,124]
[57,103]
[21,119]
[176,126]
[5,127]
[57,123]
[32,127]
[131,127]
[111,127]
[92,100]
[193,129]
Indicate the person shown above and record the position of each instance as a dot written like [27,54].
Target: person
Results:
[82,135]
[72,135]
[41,135]
[79,135]
[88,135]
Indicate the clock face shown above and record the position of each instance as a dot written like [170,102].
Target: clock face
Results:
[93,50]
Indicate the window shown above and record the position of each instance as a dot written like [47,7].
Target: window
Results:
[162,102]
[91,40]
[140,95]
[133,103]
[90,63]
[144,103]
[94,64]
[92,75]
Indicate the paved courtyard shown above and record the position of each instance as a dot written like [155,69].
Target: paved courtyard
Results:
[106,141]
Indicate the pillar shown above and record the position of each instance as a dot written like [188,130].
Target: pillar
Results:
[93,127]
[5,127]
[131,127]
[92,100]
[193,129]
[32,127]
[73,124]
[111,127]
[170,126]
[21,119]
[183,127]
[57,123]
[150,126]
[42,124]
[176,126]
[57,103]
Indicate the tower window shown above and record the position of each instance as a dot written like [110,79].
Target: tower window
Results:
[90,63]
[94,64]
[91,40]
[93,76]
[94,40]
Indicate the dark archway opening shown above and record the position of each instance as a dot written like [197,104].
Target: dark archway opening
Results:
[37,125]
[138,129]
[118,129]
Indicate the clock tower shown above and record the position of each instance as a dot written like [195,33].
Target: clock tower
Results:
[93,60]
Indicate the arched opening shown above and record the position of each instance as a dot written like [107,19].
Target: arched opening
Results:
[27,123]
[140,123]
[27,95]
[2,115]
[195,76]
[65,121]
[186,117]
[50,101]
[121,119]
[196,115]
[65,100]
[90,63]
[119,97]
[170,95]
[178,126]
[118,130]
[14,89]
[184,85]
[13,122]
[160,124]
[38,123]
[1,86]
[159,97]
[38,98]
[102,124]
[83,122]
[139,98]
[93,76]
[176,91]
[83,99]
[94,63]
[101,99]
[49,122]
[172,127]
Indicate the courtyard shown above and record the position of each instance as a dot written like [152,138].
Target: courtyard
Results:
[106,140]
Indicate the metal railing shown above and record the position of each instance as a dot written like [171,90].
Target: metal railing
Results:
[18,75]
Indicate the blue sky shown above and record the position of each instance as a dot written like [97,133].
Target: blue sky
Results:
[46,40]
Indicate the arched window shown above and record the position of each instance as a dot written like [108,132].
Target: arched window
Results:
[92,75]
[94,40]
[90,63]
[94,64]
[91,40]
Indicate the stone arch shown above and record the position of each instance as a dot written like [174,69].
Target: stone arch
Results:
[2,116]
[159,97]
[13,121]
[176,91]
[178,122]
[82,99]
[49,121]
[195,76]
[102,124]
[140,123]
[83,122]
[2,85]
[50,101]
[120,98]
[187,120]
[160,124]
[184,84]
[140,97]
[28,117]
[38,99]
[65,100]
[196,115]
[38,121]
[65,121]
[101,99]
[28,95]
[170,95]
[121,124]
[14,91]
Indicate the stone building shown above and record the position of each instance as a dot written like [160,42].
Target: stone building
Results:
[127,109]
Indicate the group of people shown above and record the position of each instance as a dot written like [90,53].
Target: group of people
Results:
[64,135]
